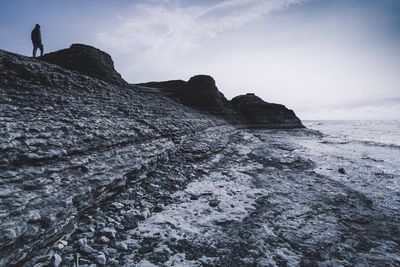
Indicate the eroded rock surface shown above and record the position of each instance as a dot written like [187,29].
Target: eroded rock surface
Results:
[68,142]
[232,197]
[93,173]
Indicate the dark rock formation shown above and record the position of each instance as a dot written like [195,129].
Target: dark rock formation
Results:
[86,60]
[172,86]
[201,91]
[258,112]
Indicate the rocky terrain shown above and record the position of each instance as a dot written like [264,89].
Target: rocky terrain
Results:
[95,172]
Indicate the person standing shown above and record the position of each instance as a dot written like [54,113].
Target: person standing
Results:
[36,37]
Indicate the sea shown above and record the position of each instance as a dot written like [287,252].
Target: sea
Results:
[367,150]
[370,132]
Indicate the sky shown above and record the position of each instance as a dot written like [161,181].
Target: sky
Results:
[325,59]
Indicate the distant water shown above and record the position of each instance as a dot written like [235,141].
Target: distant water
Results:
[369,132]
[368,151]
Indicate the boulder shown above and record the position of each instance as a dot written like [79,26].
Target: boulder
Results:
[261,113]
[201,91]
[86,60]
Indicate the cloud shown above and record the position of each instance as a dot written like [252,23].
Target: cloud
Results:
[362,113]
[164,29]
[371,109]
[315,58]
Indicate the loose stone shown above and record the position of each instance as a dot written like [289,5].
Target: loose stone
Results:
[104,239]
[214,202]
[121,246]
[56,260]
[101,259]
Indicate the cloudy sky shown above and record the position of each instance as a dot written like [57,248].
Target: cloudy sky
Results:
[326,59]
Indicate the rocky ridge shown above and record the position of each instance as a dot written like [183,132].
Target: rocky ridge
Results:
[199,92]
[202,93]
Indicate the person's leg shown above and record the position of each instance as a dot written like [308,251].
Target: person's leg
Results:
[41,50]
[34,50]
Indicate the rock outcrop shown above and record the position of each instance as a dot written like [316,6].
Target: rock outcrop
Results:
[200,91]
[173,86]
[86,60]
[260,113]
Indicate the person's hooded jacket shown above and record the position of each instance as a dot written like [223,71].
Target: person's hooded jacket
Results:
[36,36]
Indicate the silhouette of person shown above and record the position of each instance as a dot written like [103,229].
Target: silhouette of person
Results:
[36,37]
